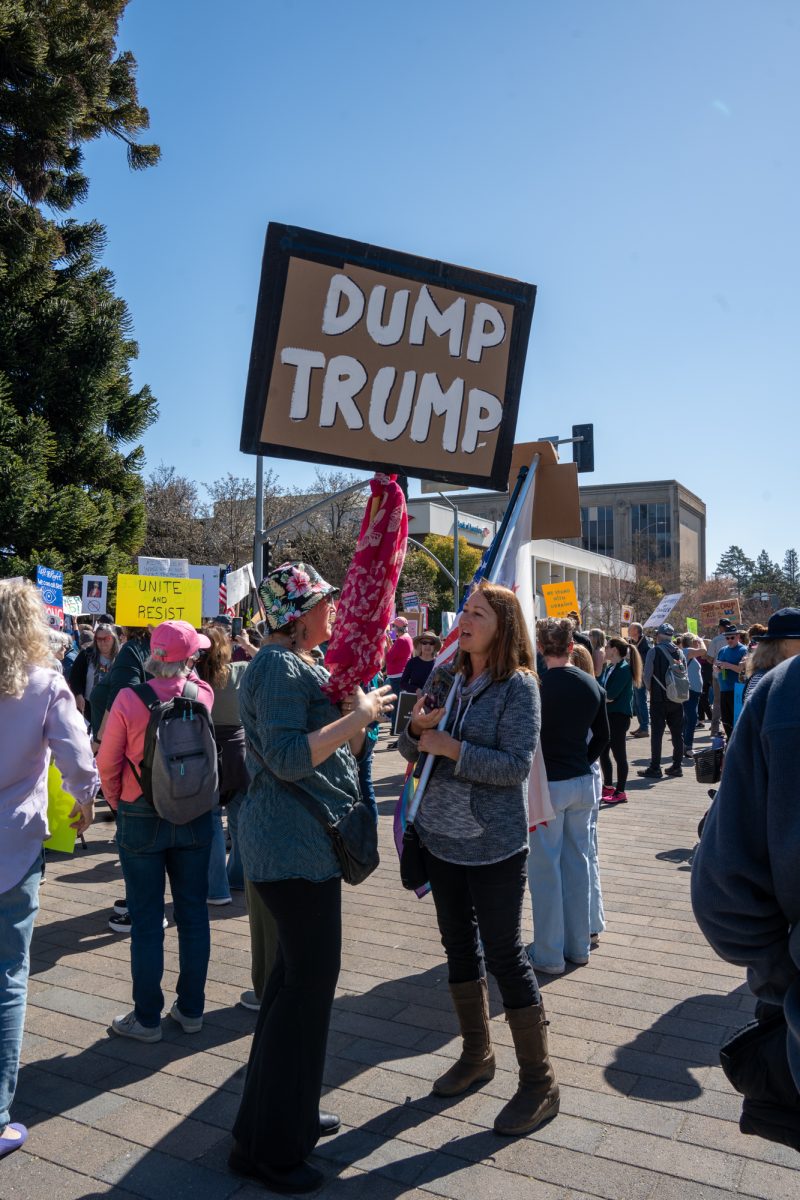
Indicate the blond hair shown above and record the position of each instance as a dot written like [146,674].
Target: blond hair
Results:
[24,636]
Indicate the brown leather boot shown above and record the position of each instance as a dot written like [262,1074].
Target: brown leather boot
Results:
[537,1097]
[476,1064]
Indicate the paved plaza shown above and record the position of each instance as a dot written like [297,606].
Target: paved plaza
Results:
[646,1113]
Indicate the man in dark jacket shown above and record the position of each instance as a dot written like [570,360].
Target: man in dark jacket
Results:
[643,646]
[664,713]
[745,882]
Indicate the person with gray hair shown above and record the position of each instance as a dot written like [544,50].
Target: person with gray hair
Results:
[152,848]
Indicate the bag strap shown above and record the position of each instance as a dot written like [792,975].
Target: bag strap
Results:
[190,690]
[312,807]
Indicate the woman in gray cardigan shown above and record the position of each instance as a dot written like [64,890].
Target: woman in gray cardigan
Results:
[473,826]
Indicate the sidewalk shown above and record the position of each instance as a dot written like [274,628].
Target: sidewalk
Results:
[646,1113]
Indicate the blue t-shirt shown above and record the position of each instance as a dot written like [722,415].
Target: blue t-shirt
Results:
[731,654]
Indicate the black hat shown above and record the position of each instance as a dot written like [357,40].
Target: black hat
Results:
[726,624]
[785,623]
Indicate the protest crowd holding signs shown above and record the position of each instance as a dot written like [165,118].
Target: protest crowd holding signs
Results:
[368,357]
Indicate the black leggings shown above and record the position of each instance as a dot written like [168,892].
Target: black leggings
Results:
[620,724]
[278,1120]
[479,911]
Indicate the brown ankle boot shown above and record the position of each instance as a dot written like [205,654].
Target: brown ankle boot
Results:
[536,1097]
[476,1064]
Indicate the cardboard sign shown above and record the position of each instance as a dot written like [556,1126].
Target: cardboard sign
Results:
[73,606]
[556,499]
[626,614]
[370,358]
[662,611]
[410,600]
[151,599]
[172,568]
[239,584]
[715,610]
[209,577]
[94,595]
[691,625]
[560,599]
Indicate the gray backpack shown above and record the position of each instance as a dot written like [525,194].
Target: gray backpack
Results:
[178,772]
[677,679]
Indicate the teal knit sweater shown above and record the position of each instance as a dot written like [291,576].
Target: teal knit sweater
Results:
[281,702]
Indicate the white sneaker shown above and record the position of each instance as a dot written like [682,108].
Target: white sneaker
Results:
[128,1026]
[250,1000]
[187,1024]
[226,900]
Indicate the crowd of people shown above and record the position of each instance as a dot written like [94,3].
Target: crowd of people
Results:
[175,726]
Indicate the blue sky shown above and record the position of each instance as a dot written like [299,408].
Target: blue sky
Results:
[638,161]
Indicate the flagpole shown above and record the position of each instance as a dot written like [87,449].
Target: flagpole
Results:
[518,497]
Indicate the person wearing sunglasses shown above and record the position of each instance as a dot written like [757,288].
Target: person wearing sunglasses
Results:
[728,665]
[415,675]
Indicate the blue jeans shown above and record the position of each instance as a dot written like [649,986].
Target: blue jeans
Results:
[150,849]
[640,701]
[597,915]
[690,719]
[218,886]
[235,867]
[365,779]
[18,908]
[559,876]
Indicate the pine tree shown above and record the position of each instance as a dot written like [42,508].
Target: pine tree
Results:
[735,563]
[791,577]
[767,576]
[71,494]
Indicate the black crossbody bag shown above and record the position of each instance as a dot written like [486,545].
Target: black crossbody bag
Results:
[354,836]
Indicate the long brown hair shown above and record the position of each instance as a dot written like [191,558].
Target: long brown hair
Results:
[626,651]
[215,665]
[511,649]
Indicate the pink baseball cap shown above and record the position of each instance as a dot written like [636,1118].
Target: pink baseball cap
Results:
[400,623]
[173,641]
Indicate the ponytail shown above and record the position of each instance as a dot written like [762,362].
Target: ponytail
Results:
[628,652]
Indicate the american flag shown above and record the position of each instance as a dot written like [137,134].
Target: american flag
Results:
[223,591]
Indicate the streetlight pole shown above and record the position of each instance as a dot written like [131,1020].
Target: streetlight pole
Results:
[456,573]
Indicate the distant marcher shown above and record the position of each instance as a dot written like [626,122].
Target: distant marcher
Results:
[91,665]
[38,718]
[426,646]
[664,713]
[713,648]
[621,676]
[398,653]
[598,640]
[692,648]
[578,636]
[643,646]
[729,665]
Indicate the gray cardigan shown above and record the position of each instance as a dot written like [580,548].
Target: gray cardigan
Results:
[475,811]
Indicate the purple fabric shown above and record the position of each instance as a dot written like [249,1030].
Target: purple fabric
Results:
[7,1145]
[41,721]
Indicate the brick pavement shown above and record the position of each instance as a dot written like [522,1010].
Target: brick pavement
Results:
[646,1112]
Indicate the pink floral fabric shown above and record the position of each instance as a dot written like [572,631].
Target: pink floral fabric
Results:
[366,604]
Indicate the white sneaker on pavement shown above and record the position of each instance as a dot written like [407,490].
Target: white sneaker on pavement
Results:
[128,1026]
[187,1024]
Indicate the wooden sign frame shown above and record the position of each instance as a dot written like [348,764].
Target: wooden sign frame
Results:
[287,245]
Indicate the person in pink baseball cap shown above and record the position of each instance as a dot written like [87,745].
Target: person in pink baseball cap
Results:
[152,848]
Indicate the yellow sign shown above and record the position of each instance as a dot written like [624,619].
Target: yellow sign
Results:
[560,599]
[151,599]
[59,806]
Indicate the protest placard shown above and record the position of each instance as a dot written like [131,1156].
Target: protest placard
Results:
[626,614]
[715,611]
[209,577]
[560,599]
[691,625]
[662,611]
[370,358]
[94,594]
[151,599]
[173,568]
[239,584]
[73,606]
[51,585]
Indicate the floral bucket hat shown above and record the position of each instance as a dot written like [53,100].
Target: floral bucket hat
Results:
[290,591]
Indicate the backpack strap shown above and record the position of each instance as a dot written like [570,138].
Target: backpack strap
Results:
[190,690]
[151,701]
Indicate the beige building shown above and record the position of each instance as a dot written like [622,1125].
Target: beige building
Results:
[649,522]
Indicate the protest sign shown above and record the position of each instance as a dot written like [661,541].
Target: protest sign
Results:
[94,595]
[410,600]
[370,358]
[59,805]
[239,583]
[151,599]
[73,606]
[173,568]
[715,611]
[662,611]
[209,577]
[691,625]
[626,614]
[560,598]
[51,584]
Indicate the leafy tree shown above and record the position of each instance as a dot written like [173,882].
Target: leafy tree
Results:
[72,496]
[174,516]
[734,562]
[469,558]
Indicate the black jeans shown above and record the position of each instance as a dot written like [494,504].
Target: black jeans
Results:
[666,714]
[278,1120]
[620,724]
[726,700]
[477,905]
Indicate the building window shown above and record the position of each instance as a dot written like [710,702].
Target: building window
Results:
[597,529]
[651,532]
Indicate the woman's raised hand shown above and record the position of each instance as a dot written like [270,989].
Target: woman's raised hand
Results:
[371,706]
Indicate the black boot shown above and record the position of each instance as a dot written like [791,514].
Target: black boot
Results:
[537,1096]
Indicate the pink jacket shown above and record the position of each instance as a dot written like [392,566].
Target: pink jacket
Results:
[398,654]
[123,737]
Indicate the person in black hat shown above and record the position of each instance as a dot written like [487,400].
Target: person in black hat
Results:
[712,650]
[780,641]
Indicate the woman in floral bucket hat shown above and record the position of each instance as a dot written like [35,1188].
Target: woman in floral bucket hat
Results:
[297,739]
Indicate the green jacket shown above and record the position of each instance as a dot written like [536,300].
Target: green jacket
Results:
[618,683]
